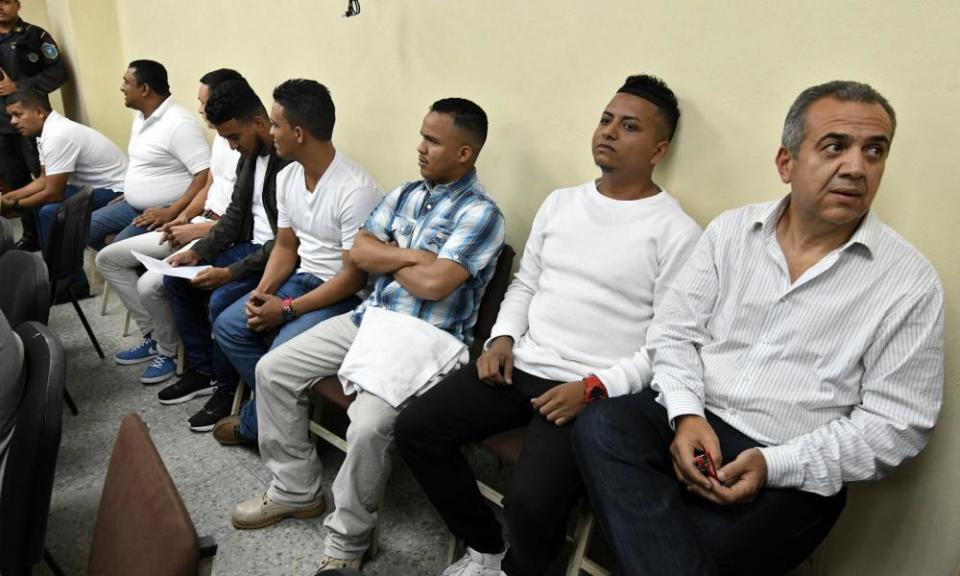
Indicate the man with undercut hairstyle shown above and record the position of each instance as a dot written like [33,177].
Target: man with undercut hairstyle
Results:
[598,261]
[800,349]
[304,282]
[143,294]
[432,247]
[169,158]
[237,248]
[71,156]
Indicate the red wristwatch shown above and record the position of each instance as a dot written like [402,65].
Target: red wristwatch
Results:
[288,312]
[593,389]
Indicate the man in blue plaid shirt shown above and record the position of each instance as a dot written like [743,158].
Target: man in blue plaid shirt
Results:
[431,246]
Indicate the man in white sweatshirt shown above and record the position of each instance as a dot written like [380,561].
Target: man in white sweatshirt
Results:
[595,267]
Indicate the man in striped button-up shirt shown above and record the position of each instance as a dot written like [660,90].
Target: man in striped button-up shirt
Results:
[432,246]
[802,349]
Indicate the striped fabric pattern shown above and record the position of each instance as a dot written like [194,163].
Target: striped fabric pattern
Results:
[839,374]
[458,222]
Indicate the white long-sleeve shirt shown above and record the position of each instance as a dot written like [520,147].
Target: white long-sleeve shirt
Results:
[839,374]
[593,271]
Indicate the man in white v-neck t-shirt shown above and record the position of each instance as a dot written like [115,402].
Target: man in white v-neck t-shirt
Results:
[315,226]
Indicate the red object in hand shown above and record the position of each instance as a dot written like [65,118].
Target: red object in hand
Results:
[705,463]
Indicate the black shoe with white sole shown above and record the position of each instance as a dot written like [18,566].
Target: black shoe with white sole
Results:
[217,407]
[191,385]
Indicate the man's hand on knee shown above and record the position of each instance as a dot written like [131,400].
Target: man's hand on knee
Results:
[495,366]
[562,403]
[694,433]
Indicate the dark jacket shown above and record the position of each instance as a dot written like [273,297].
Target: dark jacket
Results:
[236,224]
[32,59]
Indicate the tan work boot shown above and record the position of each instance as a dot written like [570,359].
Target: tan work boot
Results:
[261,512]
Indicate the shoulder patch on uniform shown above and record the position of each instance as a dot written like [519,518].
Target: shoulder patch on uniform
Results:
[33,57]
[50,50]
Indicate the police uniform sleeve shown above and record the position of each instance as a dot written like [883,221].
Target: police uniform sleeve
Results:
[53,72]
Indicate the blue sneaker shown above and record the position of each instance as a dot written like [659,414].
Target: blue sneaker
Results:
[145,350]
[160,369]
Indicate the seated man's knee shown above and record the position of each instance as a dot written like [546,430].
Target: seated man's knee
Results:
[175,285]
[589,428]
[219,301]
[150,285]
[370,428]
[266,369]
[48,211]
[410,434]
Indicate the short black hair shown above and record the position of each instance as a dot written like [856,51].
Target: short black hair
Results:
[233,99]
[151,73]
[307,104]
[655,91]
[30,98]
[467,116]
[214,78]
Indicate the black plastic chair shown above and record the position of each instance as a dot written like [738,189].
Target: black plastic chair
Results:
[32,457]
[7,241]
[65,247]
[25,294]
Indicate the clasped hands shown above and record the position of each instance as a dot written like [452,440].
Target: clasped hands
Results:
[736,482]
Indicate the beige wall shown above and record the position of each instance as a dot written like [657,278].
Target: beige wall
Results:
[544,70]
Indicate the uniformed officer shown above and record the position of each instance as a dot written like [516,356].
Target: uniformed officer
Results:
[29,58]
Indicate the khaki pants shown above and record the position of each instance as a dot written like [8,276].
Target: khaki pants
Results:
[143,295]
[283,376]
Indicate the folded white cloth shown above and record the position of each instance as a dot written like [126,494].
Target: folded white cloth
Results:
[396,356]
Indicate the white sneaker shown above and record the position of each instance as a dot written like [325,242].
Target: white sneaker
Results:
[475,563]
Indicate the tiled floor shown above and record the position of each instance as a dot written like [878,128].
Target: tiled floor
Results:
[211,478]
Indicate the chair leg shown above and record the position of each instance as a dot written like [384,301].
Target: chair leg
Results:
[83,320]
[126,324]
[452,546]
[581,538]
[181,359]
[375,537]
[105,298]
[237,398]
[70,403]
[52,563]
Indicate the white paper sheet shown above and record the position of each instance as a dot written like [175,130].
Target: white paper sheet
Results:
[154,265]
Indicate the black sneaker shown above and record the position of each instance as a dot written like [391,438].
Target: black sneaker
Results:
[217,407]
[29,244]
[191,385]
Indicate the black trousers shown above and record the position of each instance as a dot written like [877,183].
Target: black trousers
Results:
[544,487]
[19,162]
[657,528]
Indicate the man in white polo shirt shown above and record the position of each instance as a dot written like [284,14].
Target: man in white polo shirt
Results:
[143,294]
[71,156]
[169,158]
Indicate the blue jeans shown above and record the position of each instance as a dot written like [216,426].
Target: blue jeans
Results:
[47,212]
[244,347]
[194,311]
[114,219]
[654,526]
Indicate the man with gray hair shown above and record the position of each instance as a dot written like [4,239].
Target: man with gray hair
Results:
[801,349]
